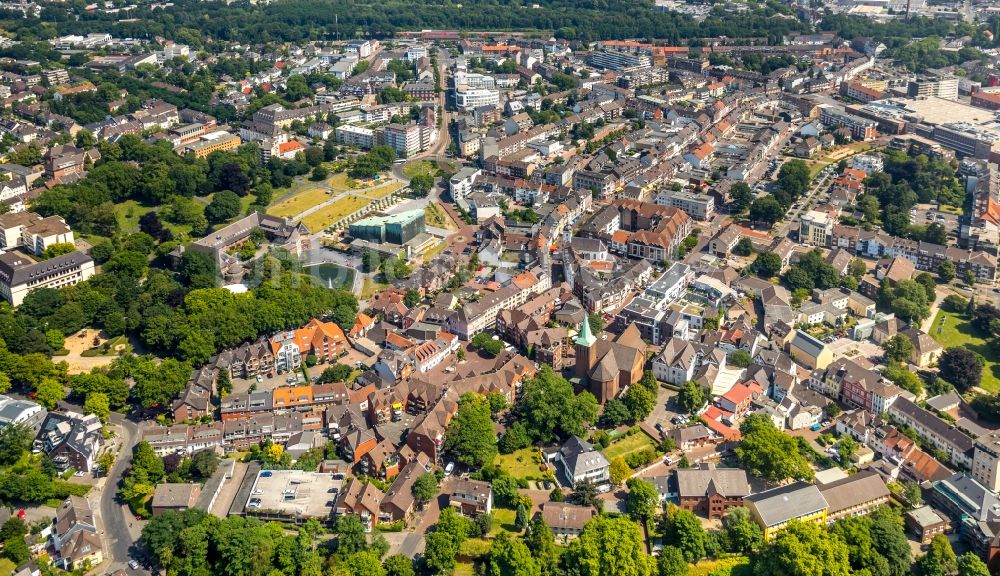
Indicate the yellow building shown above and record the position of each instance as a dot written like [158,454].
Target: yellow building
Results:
[774,509]
[810,352]
[213,143]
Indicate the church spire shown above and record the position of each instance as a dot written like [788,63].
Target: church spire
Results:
[586,338]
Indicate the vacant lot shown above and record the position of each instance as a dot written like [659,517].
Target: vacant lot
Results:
[952,330]
[326,216]
[630,445]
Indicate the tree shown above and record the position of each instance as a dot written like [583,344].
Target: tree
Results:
[364,563]
[421,185]
[946,271]
[98,405]
[898,348]
[744,247]
[913,494]
[509,557]
[691,397]
[740,358]
[741,197]
[740,532]
[766,210]
[619,471]
[596,321]
[335,373]
[439,553]
[49,393]
[484,343]
[350,535]
[540,541]
[939,560]
[15,440]
[224,206]
[803,549]
[962,367]
[520,517]
[424,488]
[549,409]
[846,449]
[682,529]
[889,539]
[470,434]
[615,413]
[608,546]
[768,452]
[585,493]
[671,562]
[970,565]
[766,265]
[514,438]
[412,298]
[398,565]
[642,499]
[639,401]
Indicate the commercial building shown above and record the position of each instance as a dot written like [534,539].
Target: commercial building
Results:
[394,229]
[214,142]
[967,139]
[20,274]
[774,509]
[815,228]
[292,496]
[942,86]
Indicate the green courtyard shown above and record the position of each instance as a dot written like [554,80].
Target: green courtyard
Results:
[951,329]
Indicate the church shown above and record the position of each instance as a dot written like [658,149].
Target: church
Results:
[606,365]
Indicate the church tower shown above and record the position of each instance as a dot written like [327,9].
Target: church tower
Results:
[585,353]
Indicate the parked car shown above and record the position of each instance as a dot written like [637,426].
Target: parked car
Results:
[449,468]
[133,564]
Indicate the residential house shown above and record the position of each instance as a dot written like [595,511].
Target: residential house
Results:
[177,497]
[74,535]
[580,461]
[566,520]
[362,499]
[471,497]
[935,431]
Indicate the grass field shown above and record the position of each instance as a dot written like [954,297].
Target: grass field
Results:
[421,167]
[735,566]
[384,190]
[327,215]
[6,567]
[341,181]
[435,216]
[521,464]
[369,287]
[626,446]
[955,330]
[299,203]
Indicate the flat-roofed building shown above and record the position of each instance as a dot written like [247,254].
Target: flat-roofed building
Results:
[293,496]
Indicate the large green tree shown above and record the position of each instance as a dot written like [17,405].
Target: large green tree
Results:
[803,549]
[470,436]
[608,547]
[682,529]
[769,453]
[549,408]
[509,557]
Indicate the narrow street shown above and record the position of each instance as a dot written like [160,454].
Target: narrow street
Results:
[120,531]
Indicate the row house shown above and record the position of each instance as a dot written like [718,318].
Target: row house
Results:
[184,438]
[935,431]
[324,340]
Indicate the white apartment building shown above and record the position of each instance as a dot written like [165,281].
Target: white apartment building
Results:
[355,136]
[462,181]
[986,461]
[697,206]
[19,274]
[815,228]
[404,139]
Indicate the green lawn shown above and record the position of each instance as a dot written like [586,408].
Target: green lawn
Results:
[521,464]
[634,443]
[113,347]
[503,519]
[957,331]
[420,167]
[6,567]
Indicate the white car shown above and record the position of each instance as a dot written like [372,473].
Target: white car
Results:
[449,468]
[133,564]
